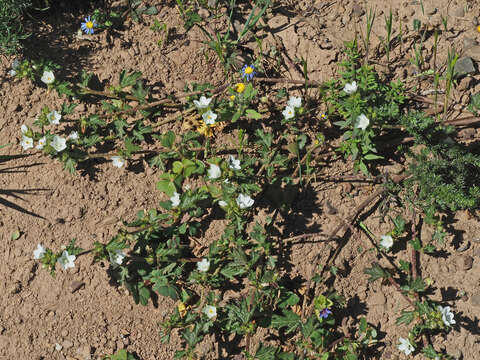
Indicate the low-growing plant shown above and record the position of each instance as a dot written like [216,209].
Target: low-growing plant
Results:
[364,107]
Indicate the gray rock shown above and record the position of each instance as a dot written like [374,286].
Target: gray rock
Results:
[475,299]
[464,66]
[459,11]
[465,262]
[473,52]
[468,43]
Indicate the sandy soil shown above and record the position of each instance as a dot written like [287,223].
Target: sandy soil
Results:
[39,311]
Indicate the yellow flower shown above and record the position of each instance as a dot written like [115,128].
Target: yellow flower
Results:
[232,97]
[204,129]
[478,28]
[182,309]
[240,87]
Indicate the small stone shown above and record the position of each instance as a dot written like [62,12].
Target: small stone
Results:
[469,42]
[473,52]
[67,344]
[16,288]
[58,347]
[465,83]
[204,13]
[476,253]
[465,262]
[464,66]
[431,11]
[76,285]
[84,352]
[467,133]
[358,10]
[475,21]
[347,188]
[459,11]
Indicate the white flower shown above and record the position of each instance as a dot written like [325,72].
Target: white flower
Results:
[405,346]
[59,143]
[38,252]
[175,199]
[203,265]
[233,163]
[210,311]
[48,77]
[41,143]
[222,203]
[350,88]
[54,117]
[203,103]
[244,201]
[118,161]
[27,142]
[447,315]
[362,122]
[387,241]
[294,102]
[24,129]
[12,72]
[289,112]
[73,135]
[117,256]
[214,172]
[66,261]
[209,117]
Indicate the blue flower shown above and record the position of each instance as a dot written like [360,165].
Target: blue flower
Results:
[88,25]
[324,313]
[248,72]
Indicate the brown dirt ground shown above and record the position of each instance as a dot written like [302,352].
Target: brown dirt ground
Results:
[39,311]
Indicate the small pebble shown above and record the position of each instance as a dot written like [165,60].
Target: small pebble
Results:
[58,347]
[465,262]
[76,285]
[475,299]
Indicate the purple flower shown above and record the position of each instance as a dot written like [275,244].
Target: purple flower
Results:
[88,26]
[324,313]
[248,72]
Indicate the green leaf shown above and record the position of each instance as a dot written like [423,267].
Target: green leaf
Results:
[152,10]
[252,114]
[290,320]
[376,272]
[166,290]
[290,300]
[167,186]
[130,79]
[15,235]
[372,157]
[265,352]
[416,244]
[406,317]
[232,270]
[144,295]
[130,147]
[168,139]
[236,116]
[177,167]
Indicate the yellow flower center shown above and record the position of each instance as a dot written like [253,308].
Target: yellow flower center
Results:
[240,87]
[89,24]
[248,70]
